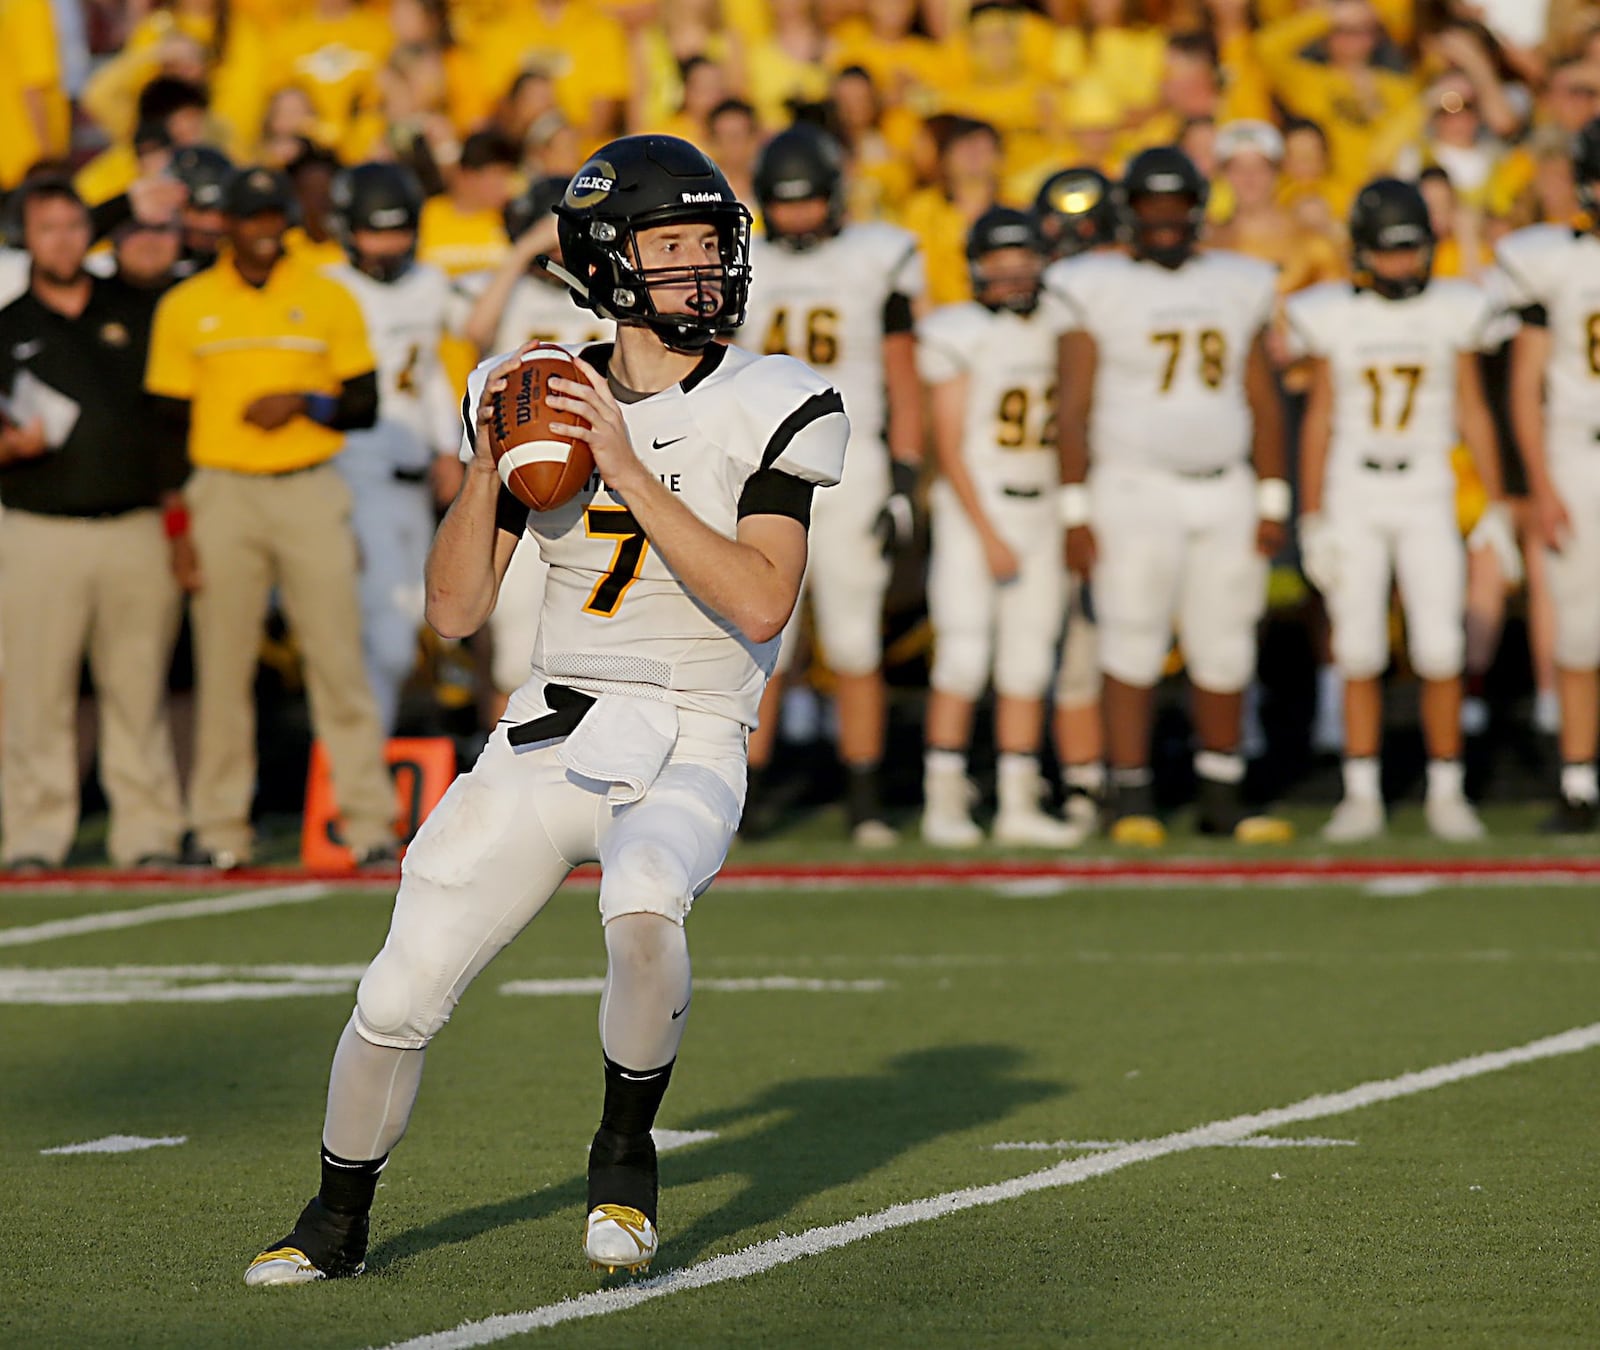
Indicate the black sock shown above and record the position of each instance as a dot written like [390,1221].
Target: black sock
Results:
[348,1187]
[622,1158]
[862,799]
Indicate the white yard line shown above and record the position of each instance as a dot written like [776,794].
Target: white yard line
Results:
[236,903]
[780,1251]
[119,1143]
[780,984]
[1099,1145]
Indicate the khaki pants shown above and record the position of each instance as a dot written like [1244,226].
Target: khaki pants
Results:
[68,585]
[293,531]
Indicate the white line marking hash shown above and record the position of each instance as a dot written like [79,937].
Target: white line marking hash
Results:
[119,1143]
[235,903]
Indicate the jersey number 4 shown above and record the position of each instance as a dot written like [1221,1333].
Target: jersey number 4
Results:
[627,556]
[821,345]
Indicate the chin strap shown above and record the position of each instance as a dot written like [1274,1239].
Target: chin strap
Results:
[560,273]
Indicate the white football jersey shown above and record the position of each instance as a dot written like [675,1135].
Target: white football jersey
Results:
[825,306]
[615,618]
[1008,439]
[15,268]
[1557,269]
[405,322]
[1172,346]
[1393,368]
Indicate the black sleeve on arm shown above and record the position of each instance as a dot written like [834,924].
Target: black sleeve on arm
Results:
[1534,316]
[169,434]
[358,403]
[772,492]
[105,217]
[510,515]
[897,317]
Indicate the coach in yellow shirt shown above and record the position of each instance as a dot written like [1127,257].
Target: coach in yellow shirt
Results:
[266,363]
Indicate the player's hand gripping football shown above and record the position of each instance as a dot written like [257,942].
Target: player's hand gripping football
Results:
[483,416]
[606,434]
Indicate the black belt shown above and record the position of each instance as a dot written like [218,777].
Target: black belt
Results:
[1022,494]
[410,475]
[567,709]
[1203,473]
[1378,466]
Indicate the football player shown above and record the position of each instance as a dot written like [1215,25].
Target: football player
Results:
[996,588]
[672,575]
[204,171]
[521,302]
[839,297]
[390,466]
[1173,492]
[1552,275]
[1394,374]
[1077,213]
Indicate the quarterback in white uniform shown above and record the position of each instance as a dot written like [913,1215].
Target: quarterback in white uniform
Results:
[1394,374]
[996,587]
[840,298]
[1552,275]
[523,303]
[1172,481]
[672,575]
[389,466]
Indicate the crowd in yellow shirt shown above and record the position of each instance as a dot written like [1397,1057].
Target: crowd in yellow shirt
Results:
[945,106]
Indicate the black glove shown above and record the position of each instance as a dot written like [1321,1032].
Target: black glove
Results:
[896,525]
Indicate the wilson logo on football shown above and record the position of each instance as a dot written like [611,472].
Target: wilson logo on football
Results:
[592,184]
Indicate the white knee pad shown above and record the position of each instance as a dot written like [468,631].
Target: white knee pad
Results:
[1134,653]
[1222,662]
[400,1004]
[1023,664]
[1572,590]
[960,662]
[645,876]
[1438,649]
[1357,655]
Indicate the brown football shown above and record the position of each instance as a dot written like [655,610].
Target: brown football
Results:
[542,468]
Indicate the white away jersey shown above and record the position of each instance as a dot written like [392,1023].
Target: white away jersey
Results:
[1172,345]
[1393,368]
[1008,439]
[405,322]
[1556,269]
[615,618]
[825,305]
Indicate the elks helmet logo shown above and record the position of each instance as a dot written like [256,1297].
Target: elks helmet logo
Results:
[591,185]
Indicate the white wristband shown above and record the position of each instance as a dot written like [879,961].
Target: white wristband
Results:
[1273,500]
[1073,502]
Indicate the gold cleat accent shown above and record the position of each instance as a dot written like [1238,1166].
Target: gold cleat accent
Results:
[1263,830]
[1139,832]
[610,1227]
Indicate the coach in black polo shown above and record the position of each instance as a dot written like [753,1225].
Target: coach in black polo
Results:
[87,553]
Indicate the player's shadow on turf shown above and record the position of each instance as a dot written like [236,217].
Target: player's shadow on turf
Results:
[828,1132]
[823,1133]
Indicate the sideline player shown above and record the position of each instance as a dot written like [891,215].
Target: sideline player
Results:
[839,296]
[1077,213]
[671,578]
[390,467]
[996,587]
[1552,275]
[1167,392]
[1394,373]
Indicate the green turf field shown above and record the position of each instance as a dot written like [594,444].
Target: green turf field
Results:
[921,1029]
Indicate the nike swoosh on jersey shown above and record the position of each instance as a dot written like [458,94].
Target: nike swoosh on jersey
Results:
[659,444]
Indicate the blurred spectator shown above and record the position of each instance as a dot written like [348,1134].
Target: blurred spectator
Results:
[663,53]
[889,43]
[880,177]
[334,53]
[287,127]
[264,364]
[462,231]
[583,50]
[705,86]
[784,67]
[1249,155]
[204,172]
[311,239]
[1112,43]
[941,216]
[1323,65]
[84,561]
[734,141]
[33,108]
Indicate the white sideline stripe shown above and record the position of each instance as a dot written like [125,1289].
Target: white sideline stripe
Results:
[763,984]
[1101,1145]
[764,1256]
[667,1140]
[119,1143]
[236,903]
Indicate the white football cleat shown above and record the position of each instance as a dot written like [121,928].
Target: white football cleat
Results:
[1453,819]
[1355,819]
[873,834]
[619,1236]
[947,811]
[1037,829]
[283,1265]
